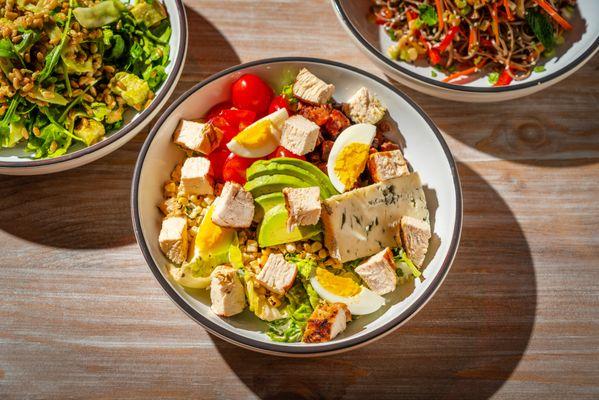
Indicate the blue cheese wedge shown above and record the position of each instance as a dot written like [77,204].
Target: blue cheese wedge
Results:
[362,222]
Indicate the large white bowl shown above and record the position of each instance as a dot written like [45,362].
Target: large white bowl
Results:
[424,148]
[16,162]
[579,47]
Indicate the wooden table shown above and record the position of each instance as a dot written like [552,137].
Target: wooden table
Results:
[517,317]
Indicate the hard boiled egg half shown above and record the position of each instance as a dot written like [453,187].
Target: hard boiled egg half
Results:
[340,289]
[260,138]
[349,155]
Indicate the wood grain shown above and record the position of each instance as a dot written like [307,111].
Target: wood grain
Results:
[82,317]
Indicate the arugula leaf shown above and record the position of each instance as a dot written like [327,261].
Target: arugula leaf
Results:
[8,117]
[7,49]
[53,56]
[428,15]
[542,28]
[30,37]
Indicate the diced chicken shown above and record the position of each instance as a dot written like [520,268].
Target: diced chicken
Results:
[326,322]
[414,235]
[197,136]
[277,275]
[173,239]
[299,135]
[195,178]
[387,165]
[234,208]
[311,89]
[170,207]
[364,107]
[303,206]
[226,292]
[378,272]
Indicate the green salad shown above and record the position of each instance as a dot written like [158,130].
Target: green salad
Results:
[69,70]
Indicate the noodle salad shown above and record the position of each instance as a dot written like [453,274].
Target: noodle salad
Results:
[460,38]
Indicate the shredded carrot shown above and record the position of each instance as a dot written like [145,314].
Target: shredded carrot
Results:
[472,40]
[464,72]
[508,12]
[439,5]
[495,24]
[554,14]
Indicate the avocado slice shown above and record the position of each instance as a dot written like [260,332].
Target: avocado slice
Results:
[264,168]
[273,229]
[266,202]
[273,183]
[321,177]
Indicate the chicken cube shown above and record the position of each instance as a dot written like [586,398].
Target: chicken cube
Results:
[173,239]
[170,207]
[234,208]
[277,275]
[311,89]
[364,107]
[414,235]
[197,136]
[299,135]
[326,322]
[195,178]
[378,272]
[226,292]
[303,206]
[387,165]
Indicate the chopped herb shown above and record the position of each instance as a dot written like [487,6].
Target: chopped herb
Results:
[428,14]
[493,78]
[434,74]
[539,68]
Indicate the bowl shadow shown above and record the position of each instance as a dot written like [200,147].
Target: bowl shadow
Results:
[465,343]
[89,207]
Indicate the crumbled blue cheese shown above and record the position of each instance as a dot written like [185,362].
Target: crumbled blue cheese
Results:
[362,222]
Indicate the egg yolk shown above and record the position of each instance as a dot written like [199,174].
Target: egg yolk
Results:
[211,237]
[336,284]
[255,135]
[350,163]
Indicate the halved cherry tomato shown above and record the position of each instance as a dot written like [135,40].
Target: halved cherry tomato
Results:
[283,152]
[251,93]
[279,102]
[217,162]
[213,112]
[232,121]
[235,167]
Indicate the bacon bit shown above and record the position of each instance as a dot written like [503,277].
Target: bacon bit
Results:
[337,122]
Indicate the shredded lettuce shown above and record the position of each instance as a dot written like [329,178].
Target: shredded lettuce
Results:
[405,266]
[258,304]
[299,309]
[305,269]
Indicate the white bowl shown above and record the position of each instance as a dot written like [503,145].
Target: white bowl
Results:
[579,47]
[16,162]
[424,148]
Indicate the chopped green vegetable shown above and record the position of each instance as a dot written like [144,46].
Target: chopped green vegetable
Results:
[405,266]
[428,15]
[54,55]
[148,13]
[91,132]
[539,68]
[132,89]
[299,309]
[99,14]
[493,78]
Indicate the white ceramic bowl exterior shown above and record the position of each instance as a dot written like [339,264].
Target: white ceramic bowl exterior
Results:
[15,161]
[580,45]
[425,149]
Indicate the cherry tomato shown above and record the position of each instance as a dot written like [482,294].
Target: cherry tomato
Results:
[217,162]
[215,110]
[251,93]
[231,121]
[283,152]
[235,167]
[279,102]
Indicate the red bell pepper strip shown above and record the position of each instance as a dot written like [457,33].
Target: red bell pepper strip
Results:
[504,78]
[433,54]
[554,14]
[448,39]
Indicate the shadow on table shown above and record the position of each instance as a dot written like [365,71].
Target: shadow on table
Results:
[89,207]
[465,343]
[560,122]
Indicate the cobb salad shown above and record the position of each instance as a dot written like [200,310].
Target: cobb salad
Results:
[294,207]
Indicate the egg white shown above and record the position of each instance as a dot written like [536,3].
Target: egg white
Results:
[277,120]
[359,133]
[365,302]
